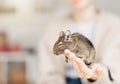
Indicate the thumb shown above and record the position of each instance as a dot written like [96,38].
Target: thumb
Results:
[99,71]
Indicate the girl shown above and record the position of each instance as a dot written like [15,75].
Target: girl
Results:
[103,31]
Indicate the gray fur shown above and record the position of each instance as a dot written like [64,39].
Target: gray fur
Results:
[76,43]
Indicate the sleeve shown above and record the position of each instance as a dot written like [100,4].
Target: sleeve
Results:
[51,67]
[111,60]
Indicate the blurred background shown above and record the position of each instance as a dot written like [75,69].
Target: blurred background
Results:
[22,24]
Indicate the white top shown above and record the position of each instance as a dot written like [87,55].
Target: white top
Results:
[87,32]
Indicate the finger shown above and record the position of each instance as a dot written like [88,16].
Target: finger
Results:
[72,58]
[84,70]
[76,67]
[82,65]
[97,70]
[78,64]
[70,55]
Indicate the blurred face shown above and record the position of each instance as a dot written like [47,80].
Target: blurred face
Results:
[80,4]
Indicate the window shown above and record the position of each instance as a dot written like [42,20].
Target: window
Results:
[7,6]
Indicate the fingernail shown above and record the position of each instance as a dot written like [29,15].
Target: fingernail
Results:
[67,51]
[100,69]
[78,60]
[71,55]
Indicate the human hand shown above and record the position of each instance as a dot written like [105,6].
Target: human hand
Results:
[82,69]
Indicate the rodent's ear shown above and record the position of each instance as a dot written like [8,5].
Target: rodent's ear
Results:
[68,35]
[68,32]
[62,33]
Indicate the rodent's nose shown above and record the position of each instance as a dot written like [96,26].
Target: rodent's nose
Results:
[55,52]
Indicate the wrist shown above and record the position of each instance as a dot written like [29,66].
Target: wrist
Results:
[93,78]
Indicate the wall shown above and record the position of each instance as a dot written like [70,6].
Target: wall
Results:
[25,30]
[26,25]
[109,5]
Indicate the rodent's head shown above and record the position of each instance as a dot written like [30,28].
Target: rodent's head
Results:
[64,42]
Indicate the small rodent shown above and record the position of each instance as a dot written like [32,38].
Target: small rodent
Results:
[77,43]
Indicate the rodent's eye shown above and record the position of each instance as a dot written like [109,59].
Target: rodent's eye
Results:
[60,44]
